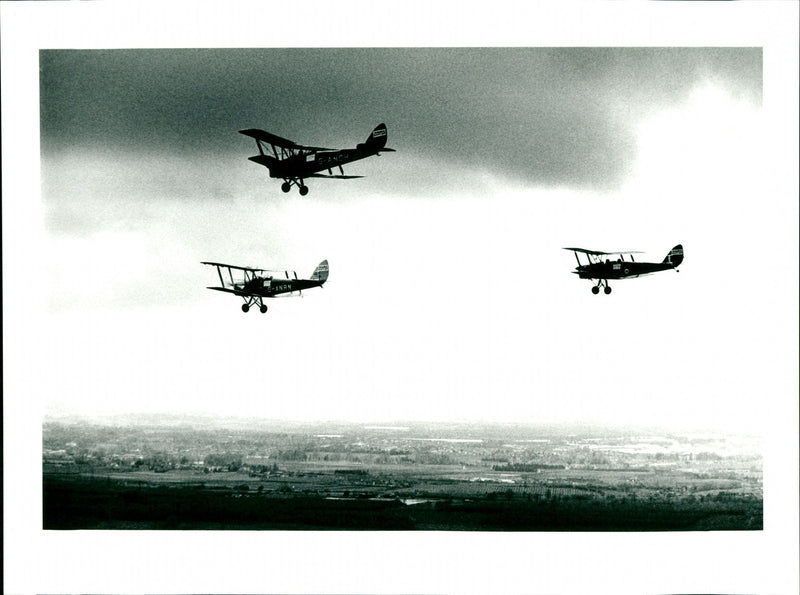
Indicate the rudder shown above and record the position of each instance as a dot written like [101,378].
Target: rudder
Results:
[675,256]
[376,140]
[321,272]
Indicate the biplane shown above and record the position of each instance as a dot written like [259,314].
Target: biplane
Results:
[294,163]
[601,266]
[253,285]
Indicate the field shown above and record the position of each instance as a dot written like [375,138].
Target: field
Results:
[508,478]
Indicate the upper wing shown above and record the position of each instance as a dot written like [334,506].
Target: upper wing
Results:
[598,253]
[584,251]
[273,139]
[238,268]
[268,137]
[251,269]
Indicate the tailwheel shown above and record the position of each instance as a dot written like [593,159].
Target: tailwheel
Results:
[245,308]
[596,289]
[607,290]
[263,309]
[286,186]
[303,190]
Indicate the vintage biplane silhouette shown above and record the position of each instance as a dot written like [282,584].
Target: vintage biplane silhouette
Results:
[253,285]
[601,268]
[294,163]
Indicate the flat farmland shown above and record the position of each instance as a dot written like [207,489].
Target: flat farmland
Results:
[356,477]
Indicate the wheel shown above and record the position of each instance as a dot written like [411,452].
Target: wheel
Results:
[595,290]
[303,190]
[286,186]
[607,290]
[245,308]
[263,309]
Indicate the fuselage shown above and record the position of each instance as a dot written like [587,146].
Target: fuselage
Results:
[620,269]
[303,165]
[270,287]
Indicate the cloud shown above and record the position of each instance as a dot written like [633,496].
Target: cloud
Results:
[548,116]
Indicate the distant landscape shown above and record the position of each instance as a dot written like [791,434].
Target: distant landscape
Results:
[184,473]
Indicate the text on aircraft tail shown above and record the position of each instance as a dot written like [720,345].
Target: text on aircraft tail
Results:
[376,140]
[321,272]
[675,256]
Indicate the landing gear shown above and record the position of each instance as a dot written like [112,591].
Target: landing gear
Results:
[601,283]
[289,182]
[254,300]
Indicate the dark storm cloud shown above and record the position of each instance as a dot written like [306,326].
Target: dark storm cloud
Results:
[547,116]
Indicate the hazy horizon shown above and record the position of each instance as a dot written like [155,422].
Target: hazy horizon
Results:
[172,419]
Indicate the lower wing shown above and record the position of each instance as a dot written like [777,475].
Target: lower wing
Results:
[335,177]
[235,291]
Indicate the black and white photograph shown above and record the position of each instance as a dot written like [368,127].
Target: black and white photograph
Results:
[344,301]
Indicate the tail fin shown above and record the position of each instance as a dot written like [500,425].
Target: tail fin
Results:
[376,141]
[321,272]
[675,256]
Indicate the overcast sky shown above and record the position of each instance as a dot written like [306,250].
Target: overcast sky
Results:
[548,117]
[449,296]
